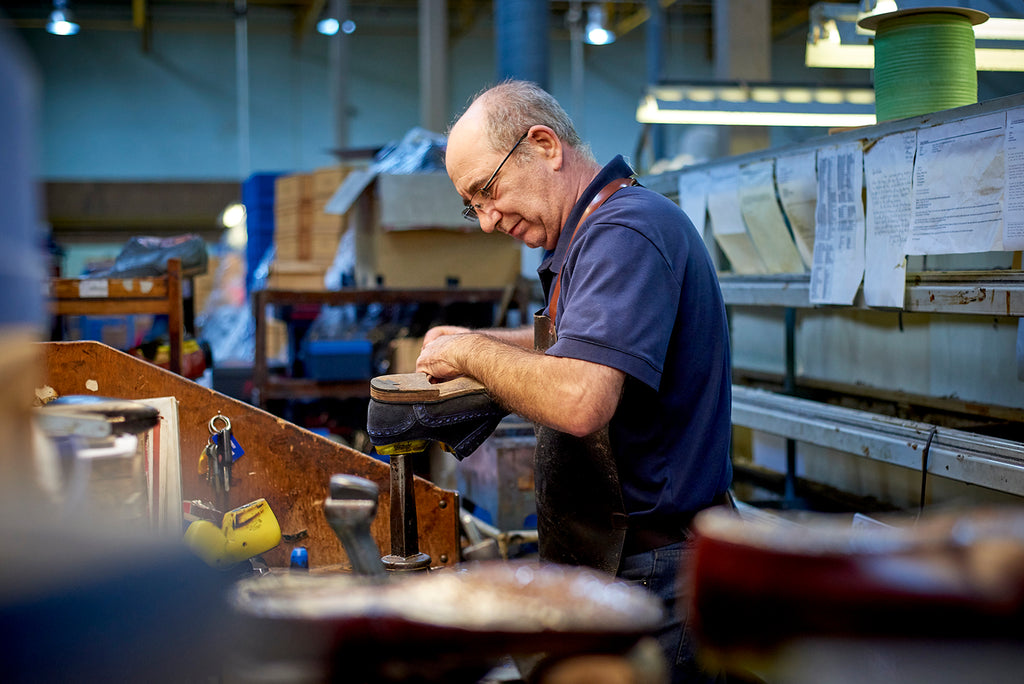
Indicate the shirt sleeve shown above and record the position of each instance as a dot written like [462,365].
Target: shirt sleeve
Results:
[620,296]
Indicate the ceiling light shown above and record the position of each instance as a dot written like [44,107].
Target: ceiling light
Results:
[233,215]
[329,26]
[61,22]
[597,31]
[760,105]
[834,40]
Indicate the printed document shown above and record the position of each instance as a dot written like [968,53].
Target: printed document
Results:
[1013,233]
[959,183]
[889,174]
[839,225]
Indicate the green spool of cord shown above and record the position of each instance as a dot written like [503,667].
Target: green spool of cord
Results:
[924,60]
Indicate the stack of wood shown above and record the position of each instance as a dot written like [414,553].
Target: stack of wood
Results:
[305,236]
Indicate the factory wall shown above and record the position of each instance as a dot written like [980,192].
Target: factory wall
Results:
[114,111]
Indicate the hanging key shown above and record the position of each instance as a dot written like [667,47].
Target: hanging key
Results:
[219,452]
[224,456]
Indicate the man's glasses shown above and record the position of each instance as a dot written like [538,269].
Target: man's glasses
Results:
[469,213]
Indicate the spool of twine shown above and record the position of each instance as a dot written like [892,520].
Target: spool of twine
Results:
[924,60]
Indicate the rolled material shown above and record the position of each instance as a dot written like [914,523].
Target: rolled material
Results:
[924,60]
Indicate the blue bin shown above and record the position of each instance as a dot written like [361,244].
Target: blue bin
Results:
[338,360]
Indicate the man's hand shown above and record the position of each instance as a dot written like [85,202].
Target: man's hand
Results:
[438,357]
[442,330]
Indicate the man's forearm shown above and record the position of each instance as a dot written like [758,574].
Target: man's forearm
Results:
[566,394]
[520,337]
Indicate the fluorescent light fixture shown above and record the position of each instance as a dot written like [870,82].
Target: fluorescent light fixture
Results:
[60,22]
[760,105]
[597,31]
[835,41]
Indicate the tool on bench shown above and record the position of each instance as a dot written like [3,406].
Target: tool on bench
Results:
[350,507]
[245,532]
[405,414]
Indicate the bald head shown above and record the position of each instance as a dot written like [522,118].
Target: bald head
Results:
[503,112]
[517,162]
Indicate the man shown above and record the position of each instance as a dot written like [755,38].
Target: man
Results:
[630,382]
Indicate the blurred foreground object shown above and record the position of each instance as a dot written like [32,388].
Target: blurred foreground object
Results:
[22,313]
[445,626]
[814,598]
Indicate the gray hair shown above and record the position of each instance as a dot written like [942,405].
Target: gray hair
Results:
[513,106]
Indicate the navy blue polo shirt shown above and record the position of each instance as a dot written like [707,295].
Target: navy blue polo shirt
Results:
[639,293]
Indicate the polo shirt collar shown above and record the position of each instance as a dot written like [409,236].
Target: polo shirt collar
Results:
[552,262]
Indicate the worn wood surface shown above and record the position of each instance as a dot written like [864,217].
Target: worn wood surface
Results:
[409,388]
[287,465]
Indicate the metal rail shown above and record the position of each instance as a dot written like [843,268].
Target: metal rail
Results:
[963,456]
[988,293]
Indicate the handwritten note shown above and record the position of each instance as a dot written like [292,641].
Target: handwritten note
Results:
[839,225]
[889,175]
[797,183]
[959,183]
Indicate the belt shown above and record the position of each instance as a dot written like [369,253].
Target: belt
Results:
[644,536]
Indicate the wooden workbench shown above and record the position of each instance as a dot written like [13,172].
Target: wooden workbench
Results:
[287,465]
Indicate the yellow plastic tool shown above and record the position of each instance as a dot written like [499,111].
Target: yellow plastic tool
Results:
[245,532]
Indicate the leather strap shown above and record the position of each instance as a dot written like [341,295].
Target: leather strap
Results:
[599,199]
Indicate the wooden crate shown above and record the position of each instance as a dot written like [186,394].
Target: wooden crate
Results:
[296,275]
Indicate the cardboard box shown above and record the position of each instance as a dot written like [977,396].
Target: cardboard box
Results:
[327,179]
[420,200]
[444,251]
[439,258]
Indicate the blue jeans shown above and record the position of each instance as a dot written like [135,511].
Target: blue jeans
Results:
[659,570]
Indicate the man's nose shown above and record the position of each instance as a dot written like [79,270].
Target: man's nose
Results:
[488,218]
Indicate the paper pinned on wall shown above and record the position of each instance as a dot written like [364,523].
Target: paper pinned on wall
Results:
[163,468]
[764,219]
[889,174]
[693,197]
[1013,218]
[727,221]
[839,225]
[959,186]
[797,183]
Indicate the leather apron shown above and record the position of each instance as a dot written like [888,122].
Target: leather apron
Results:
[581,519]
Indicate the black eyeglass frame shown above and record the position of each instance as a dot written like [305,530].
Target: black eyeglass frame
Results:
[469,213]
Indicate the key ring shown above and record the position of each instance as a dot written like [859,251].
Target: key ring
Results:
[213,424]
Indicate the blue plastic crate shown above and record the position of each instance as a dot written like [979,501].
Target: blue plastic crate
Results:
[337,360]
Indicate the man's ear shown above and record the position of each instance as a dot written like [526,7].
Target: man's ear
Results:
[548,144]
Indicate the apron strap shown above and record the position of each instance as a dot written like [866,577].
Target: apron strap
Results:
[599,199]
